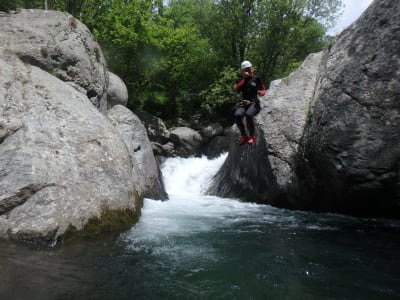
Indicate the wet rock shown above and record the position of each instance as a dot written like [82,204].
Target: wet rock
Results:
[144,163]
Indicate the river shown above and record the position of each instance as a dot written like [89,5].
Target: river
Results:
[196,246]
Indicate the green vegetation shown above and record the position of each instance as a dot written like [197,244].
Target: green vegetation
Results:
[180,58]
[108,222]
[44,52]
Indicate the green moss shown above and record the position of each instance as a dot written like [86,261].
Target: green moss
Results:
[73,23]
[97,53]
[44,52]
[71,73]
[56,67]
[308,116]
[110,220]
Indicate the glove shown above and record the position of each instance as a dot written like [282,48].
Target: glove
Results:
[261,93]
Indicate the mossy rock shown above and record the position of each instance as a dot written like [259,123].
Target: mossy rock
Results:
[110,220]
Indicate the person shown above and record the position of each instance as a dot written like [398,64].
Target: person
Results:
[250,86]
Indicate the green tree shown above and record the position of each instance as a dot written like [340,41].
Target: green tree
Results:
[229,26]
[7,5]
[220,98]
[268,32]
[183,69]
[289,30]
[177,57]
[123,30]
[276,35]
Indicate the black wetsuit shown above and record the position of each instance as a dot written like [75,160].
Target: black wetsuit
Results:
[249,87]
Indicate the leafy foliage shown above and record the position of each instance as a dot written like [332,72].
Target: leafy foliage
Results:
[179,58]
[220,97]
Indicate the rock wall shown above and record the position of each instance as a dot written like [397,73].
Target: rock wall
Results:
[329,134]
[350,153]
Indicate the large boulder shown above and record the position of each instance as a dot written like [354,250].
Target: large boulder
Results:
[135,136]
[59,44]
[117,93]
[350,154]
[186,141]
[63,166]
[156,129]
[285,112]
[217,140]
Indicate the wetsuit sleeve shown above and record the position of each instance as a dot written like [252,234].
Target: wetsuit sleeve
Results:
[261,87]
[239,84]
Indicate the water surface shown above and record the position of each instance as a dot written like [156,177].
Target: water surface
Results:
[196,246]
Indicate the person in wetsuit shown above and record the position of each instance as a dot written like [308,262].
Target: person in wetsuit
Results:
[250,86]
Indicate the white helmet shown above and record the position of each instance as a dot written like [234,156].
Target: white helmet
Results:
[245,64]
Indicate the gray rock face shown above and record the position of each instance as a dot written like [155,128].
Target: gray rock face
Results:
[117,93]
[186,141]
[216,141]
[329,134]
[216,146]
[135,136]
[284,114]
[59,44]
[156,129]
[246,173]
[350,156]
[212,130]
[62,164]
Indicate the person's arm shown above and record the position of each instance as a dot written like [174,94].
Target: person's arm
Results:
[261,87]
[239,84]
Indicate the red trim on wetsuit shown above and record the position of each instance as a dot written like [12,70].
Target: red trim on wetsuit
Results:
[239,84]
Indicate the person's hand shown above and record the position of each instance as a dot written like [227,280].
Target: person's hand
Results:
[246,73]
[261,93]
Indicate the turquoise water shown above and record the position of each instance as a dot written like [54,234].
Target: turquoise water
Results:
[203,247]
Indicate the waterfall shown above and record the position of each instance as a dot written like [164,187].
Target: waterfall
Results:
[190,176]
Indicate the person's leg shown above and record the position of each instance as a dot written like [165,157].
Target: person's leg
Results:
[250,113]
[239,114]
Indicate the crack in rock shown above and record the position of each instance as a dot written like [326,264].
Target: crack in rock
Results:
[7,203]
